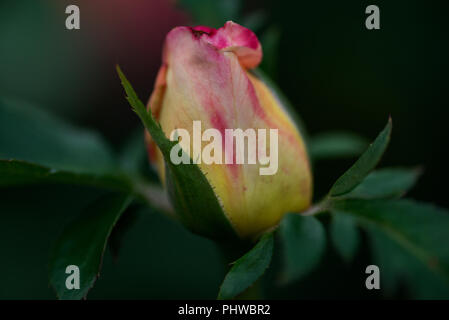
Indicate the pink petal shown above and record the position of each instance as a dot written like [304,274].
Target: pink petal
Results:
[232,38]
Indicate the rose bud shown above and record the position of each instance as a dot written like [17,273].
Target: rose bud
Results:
[205,77]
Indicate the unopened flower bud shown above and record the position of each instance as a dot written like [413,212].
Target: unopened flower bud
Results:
[205,83]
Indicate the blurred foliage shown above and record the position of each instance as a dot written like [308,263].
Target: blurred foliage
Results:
[83,243]
[270,44]
[304,241]
[410,243]
[212,13]
[135,275]
[385,183]
[36,52]
[336,144]
[344,235]
[27,133]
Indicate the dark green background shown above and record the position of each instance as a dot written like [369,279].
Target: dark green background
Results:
[339,76]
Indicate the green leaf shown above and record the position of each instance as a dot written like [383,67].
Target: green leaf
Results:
[421,230]
[344,235]
[336,145]
[304,241]
[248,268]
[44,149]
[203,215]
[212,13]
[17,172]
[83,243]
[398,266]
[30,134]
[362,167]
[123,227]
[391,259]
[385,183]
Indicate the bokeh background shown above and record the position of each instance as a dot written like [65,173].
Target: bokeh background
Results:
[337,74]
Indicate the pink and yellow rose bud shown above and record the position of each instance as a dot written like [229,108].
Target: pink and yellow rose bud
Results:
[205,77]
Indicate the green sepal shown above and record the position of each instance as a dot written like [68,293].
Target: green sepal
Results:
[194,200]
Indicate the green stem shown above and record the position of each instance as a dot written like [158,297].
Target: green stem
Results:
[320,207]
